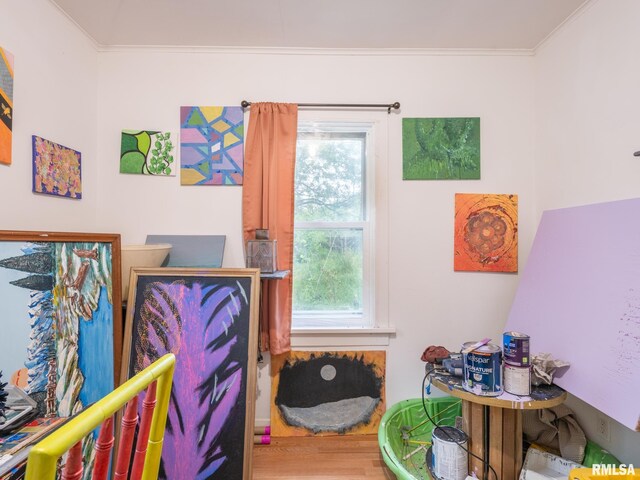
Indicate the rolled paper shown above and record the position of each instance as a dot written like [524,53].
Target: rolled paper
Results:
[128,428]
[262,430]
[73,468]
[261,439]
[103,447]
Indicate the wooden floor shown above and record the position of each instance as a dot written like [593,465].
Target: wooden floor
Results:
[349,457]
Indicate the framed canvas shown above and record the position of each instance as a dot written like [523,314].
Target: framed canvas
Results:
[146,152]
[208,319]
[486,233]
[211,145]
[441,148]
[57,170]
[61,316]
[6,105]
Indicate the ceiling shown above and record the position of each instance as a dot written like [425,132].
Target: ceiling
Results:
[437,24]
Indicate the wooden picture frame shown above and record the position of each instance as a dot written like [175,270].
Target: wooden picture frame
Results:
[208,319]
[66,286]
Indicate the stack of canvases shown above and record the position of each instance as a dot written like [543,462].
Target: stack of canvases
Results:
[327,393]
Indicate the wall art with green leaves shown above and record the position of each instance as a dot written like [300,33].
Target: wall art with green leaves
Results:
[146,152]
[441,148]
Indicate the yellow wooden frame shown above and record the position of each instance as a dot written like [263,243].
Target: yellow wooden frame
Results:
[43,457]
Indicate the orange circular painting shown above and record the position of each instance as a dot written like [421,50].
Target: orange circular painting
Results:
[486,233]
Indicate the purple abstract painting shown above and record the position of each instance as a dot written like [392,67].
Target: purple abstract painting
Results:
[206,321]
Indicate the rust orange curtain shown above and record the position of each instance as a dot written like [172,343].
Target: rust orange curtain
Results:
[267,202]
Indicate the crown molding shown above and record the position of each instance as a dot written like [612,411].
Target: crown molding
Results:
[313,51]
[94,43]
[571,18]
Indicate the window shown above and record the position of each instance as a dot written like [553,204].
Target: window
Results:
[334,234]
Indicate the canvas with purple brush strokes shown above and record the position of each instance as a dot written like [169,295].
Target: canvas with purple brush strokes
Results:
[204,322]
[579,299]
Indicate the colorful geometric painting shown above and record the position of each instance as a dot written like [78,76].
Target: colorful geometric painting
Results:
[206,317]
[57,170]
[486,233]
[440,148]
[6,105]
[327,393]
[146,152]
[211,145]
[58,321]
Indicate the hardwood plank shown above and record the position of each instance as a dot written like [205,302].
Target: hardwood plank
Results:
[495,447]
[350,457]
[476,445]
[509,443]
[518,452]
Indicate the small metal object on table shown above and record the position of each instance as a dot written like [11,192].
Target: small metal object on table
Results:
[277,275]
[494,424]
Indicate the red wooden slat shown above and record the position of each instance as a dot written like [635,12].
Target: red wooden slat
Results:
[148,405]
[103,447]
[73,468]
[129,422]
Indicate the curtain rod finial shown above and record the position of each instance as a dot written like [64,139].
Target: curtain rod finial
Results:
[245,104]
[637,154]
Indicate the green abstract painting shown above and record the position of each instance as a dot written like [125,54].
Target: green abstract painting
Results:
[441,148]
[146,152]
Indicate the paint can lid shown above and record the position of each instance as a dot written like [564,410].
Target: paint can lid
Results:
[487,348]
[450,434]
[515,335]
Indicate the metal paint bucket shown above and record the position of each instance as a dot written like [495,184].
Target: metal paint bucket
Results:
[483,370]
[449,456]
[517,380]
[516,349]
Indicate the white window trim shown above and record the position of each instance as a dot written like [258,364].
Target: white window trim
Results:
[381,329]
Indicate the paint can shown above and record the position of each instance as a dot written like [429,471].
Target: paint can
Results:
[482,369]
[517,380]
[449,454]
[516,349]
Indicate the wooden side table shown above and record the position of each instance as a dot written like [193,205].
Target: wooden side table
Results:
[494,424]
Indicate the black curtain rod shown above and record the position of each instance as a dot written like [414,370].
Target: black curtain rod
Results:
[388,106]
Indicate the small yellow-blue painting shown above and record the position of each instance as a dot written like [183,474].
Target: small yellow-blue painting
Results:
[211,145]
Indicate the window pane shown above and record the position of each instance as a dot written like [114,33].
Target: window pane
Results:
[329,183]
[327,266]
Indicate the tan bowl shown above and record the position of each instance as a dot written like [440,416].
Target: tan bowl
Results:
[141,256]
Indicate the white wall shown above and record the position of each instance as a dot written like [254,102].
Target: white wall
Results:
[570,111]
[588,126]
[55,85]
[429,303]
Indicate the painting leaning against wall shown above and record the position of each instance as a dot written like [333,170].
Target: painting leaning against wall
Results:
[327,393]
[207,318]
[6,105]
[57,170]
[60,327]
[146,152]
[441,148]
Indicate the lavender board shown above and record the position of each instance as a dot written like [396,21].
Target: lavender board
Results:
[579,299]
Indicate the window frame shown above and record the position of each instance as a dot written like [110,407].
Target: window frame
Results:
[336,331]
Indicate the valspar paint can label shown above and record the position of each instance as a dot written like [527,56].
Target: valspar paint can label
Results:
[483,370]
[516,349]
[449,453]
[517,380]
